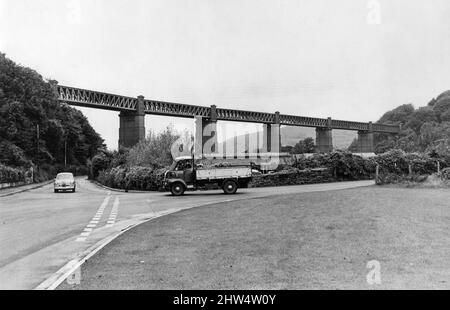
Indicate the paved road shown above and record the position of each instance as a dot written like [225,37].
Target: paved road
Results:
[40,231]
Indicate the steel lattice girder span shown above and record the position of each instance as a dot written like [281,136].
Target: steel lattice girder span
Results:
[100,100]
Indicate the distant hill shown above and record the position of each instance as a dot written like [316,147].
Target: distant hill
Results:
[291,135]
[423,129]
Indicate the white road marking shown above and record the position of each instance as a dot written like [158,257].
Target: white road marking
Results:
[95,220]
[113,215]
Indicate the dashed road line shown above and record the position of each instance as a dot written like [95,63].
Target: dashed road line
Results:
[113,215]
[95,220]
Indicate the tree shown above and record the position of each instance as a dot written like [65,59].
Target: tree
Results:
[304,146]
[12,155]
[154,151]
[442,109]
[26,100]
[419,117]
[99,163]
[432,132]
[420,127]
[407,141]
[399,115]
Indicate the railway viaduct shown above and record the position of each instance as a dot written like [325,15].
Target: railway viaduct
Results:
[133,110]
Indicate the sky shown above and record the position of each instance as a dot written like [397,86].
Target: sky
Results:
[347,59]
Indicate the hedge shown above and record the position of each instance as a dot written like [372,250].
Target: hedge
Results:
[394,166]
[11,175]
[293,177]
[344,165]
[444,174]
[397,166]
[134,178]
[397,161]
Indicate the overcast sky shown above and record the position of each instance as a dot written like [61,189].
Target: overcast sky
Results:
[305,57]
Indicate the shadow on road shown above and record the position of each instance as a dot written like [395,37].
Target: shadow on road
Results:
[204,193]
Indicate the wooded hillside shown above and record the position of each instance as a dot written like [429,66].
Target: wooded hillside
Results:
[28,101]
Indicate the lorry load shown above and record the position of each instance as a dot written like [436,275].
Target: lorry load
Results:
[187,173]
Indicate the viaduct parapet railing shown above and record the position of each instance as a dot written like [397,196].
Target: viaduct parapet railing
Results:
[100,100]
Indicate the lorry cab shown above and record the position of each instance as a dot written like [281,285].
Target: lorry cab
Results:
[188,173]
[180,175]
[182,168]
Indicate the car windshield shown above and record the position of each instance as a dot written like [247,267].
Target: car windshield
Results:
[64,176]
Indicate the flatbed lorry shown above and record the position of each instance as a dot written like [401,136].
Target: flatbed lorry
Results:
[186,173]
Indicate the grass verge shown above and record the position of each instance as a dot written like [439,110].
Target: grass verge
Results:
[303,241]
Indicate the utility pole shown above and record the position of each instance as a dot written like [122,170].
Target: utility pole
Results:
[65,153]
[37,152]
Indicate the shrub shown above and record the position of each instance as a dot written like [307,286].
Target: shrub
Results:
[99,162]
[293,177]
[397,166]
[11,175]
[118,158]
[12,155]
[135,178]
[444,174]
[399,162]
[344,165]
[318,168]
[144,178]
[393,162]
[154,151]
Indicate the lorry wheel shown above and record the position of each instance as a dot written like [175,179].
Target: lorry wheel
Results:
[177,189]
[229,187]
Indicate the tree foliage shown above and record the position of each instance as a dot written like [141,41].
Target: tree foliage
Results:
[304,146]
[26,102]
[421,128]
[127,168]
[154,151]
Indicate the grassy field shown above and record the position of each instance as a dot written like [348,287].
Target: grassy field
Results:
[305,241]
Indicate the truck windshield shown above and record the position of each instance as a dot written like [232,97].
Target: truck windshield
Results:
[183,165]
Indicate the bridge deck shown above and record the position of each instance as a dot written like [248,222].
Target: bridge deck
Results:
[100,100]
